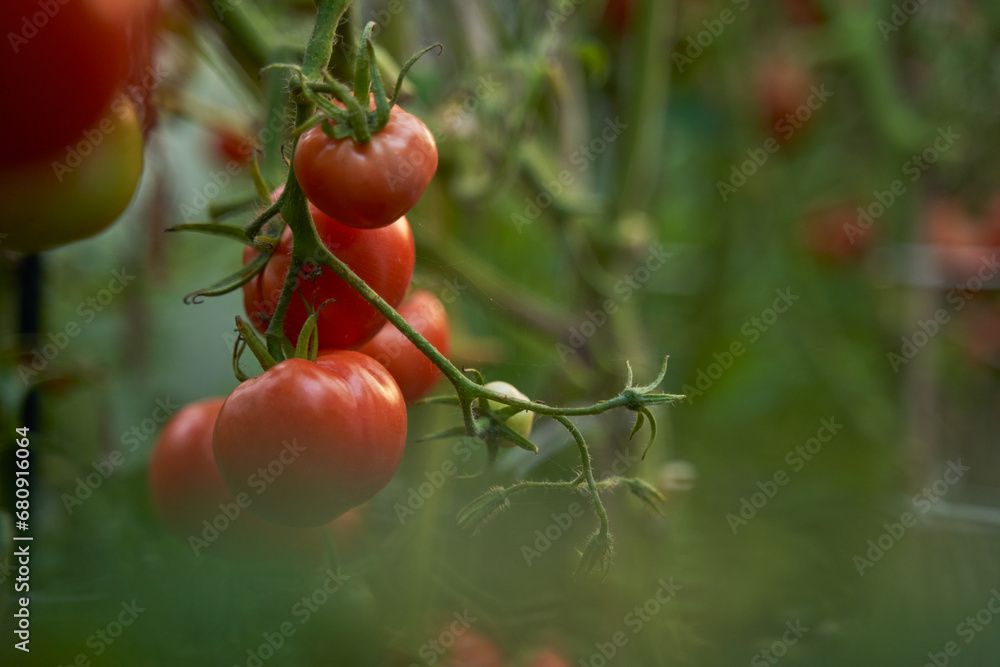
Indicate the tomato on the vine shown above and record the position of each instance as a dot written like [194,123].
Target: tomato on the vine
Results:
[54,200]
[309,441]
[65,60]
[383,258]
[520,422]
[367,185]
[413,372]
[194,503]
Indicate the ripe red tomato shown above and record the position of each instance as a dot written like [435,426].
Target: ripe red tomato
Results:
[309,441]
[194,503]
[371,185]
[66,197]
[471,649]
[64,60]
[383,258]
[412,371]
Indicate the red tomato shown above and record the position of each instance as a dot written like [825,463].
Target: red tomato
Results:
[383,258]
[233,147]
[371,185]
[412,371]
[309,441]
[59,199]
[194,503]
[836,234]
[783,88]
[548,658]
[474,650]
[63,61]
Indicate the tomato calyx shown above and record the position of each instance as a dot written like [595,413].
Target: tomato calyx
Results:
[351,118]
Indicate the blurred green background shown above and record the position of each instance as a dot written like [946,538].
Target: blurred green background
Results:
[796,201]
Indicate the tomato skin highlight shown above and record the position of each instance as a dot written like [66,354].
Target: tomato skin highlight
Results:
[367,185]
[383,258]
[187,490]
[64,65]
[50,202]
[412,371]
[309,441]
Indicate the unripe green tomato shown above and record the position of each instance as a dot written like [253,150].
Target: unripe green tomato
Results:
[76,192]
[519,422]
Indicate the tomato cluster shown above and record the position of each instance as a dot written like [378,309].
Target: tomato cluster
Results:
[71,156]
[307,441]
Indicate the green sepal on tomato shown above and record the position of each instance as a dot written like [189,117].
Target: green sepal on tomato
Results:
[323,437]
